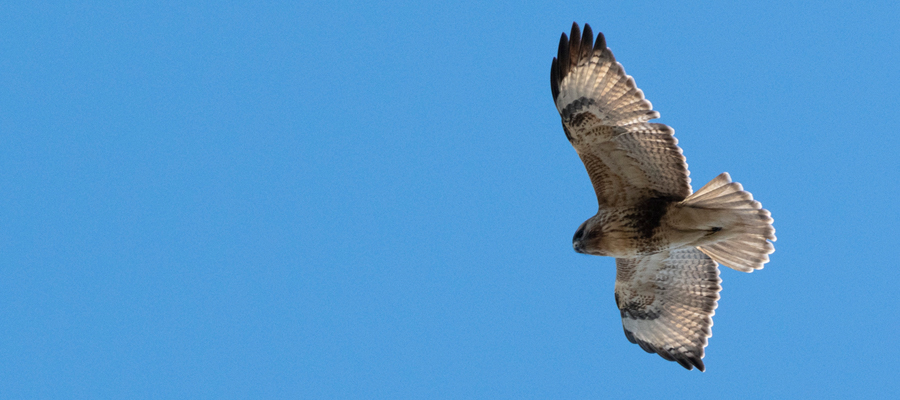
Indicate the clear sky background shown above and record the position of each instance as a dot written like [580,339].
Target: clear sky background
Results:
[376,199]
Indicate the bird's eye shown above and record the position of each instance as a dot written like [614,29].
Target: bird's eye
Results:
[579,233]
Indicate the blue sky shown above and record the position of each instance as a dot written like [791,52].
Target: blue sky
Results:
[376,199]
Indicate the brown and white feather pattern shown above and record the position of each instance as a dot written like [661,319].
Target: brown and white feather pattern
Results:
[605,117]
[667,241]
[667,301]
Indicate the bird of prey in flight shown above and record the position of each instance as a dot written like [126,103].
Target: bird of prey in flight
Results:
[666,239]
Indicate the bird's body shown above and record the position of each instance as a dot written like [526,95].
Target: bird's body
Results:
[667,240]
[655,225]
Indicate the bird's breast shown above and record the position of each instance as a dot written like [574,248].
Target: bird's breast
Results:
[635,231]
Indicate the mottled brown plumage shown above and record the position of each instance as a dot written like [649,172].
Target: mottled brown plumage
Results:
[667,240]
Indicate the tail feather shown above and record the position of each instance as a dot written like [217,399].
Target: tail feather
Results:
[742,198]
[713,188]
[746,238]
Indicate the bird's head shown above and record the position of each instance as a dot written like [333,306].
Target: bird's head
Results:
[587,238]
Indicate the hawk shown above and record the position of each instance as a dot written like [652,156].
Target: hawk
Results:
[667,240]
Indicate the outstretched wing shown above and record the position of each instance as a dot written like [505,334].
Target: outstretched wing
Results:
[667,301]
[605,118]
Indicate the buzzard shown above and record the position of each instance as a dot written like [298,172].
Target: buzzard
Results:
[667,241]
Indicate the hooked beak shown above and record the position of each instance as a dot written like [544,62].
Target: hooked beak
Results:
[576,244]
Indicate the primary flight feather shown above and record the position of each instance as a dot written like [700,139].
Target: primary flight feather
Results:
[667,241]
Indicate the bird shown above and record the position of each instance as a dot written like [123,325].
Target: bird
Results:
[667,240]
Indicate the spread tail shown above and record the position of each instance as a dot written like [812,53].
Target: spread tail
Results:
[747,232]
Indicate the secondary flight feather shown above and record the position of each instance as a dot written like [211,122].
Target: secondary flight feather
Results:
[667,240]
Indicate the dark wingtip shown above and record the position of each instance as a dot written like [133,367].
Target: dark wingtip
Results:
[689,361]
[574,46]
[587,42]
[579,44]
[554,79]
[600,43]
[563,56]
[684,363]
[699,363]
